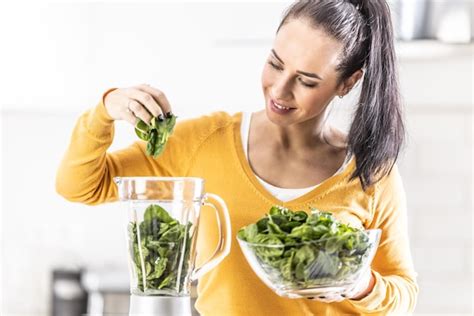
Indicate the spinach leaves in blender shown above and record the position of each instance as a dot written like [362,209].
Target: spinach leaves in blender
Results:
[158,254]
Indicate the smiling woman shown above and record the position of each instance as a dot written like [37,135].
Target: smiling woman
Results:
[285,154]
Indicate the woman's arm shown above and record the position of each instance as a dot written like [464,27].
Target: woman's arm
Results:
[395,288]
[86,171]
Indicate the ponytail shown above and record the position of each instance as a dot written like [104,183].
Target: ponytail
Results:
[377,131]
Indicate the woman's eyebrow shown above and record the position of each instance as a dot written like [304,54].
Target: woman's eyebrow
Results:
[308,74]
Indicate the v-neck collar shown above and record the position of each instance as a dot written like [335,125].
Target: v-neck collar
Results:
[319,191]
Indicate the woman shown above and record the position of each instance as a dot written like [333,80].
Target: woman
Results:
[285,155]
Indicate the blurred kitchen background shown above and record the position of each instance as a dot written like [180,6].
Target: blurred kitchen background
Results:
[58,58]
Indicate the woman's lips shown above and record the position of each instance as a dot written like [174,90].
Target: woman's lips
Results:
[278,110]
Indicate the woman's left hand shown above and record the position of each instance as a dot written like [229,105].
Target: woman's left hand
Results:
[356,291]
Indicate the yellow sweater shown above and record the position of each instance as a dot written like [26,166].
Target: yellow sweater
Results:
[210,147]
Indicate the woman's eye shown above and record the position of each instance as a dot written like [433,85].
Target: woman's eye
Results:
[274,66]
[307,84]
[280,69]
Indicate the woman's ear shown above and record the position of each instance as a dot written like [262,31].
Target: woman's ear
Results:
[349,83]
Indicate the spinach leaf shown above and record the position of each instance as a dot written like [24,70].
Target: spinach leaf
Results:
[156,134]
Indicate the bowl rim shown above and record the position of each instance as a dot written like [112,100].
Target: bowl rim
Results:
[376,231]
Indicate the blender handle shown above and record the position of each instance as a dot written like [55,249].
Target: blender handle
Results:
[223,246]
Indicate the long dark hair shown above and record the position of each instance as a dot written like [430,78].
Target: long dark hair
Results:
[364,27]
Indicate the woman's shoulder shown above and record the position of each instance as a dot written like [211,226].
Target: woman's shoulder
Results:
[190,133]
[208,121]
[392,178]
[202,126]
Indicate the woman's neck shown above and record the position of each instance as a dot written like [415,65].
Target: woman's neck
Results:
[301,138]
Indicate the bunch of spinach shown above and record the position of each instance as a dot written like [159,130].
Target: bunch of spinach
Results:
[160,251]
[306,250]
[156,134]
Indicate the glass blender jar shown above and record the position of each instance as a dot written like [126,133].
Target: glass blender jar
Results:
[163,221]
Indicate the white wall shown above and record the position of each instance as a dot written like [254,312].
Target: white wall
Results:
[205,57]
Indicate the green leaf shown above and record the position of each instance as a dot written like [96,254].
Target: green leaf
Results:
[166,281]
[142,135]
[300,216]
[172,235]
[274,229]
[142,126]
[160,266]
[286,267]
[262,224]
[142,130]
[156,211]
[156,134]
[249,233]
[268,252]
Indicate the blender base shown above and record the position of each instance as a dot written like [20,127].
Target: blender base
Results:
[160,305]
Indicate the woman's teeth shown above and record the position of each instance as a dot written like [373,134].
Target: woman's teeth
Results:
[281,107]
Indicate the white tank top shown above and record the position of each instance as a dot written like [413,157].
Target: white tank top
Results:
[283,194]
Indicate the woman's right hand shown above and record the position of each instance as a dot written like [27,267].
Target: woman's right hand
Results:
[140,102]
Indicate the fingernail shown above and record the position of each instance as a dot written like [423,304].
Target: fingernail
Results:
[169,114]
[161,118]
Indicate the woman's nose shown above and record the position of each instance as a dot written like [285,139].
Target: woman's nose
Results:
[281,89]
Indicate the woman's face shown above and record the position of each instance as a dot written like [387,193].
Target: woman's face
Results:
[299,73]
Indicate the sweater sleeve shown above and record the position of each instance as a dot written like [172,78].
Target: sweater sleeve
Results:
[86,171]
[395,291]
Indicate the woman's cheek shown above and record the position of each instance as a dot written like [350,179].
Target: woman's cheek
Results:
[266,77]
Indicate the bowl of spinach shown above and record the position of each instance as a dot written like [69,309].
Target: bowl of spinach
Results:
[298,254]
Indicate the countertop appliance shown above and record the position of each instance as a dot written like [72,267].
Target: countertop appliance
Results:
[161,233]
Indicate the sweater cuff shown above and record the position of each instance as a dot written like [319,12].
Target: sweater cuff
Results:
[99,123]
[374,298]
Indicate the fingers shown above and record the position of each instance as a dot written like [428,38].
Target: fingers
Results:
[140,102]
[330,298]
[130,117]
[361,285]
[159,96]
[143,104]
[139,111]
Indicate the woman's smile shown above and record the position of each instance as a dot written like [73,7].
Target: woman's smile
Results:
[279,109]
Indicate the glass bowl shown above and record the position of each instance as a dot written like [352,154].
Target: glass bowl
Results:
[310,268]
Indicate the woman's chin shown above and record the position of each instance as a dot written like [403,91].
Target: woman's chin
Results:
[276,120]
